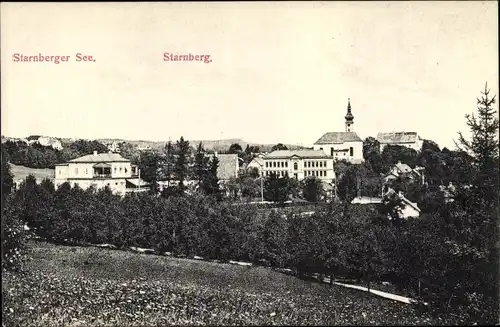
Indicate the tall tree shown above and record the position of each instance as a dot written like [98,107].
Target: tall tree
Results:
[484,145]
[312,189]
[201,163]
[150,168]
[182,163]
[211,182]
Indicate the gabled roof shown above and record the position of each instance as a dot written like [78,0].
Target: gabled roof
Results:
[258,160]
[397,137]
[338,138]
[101,157]
[285,154]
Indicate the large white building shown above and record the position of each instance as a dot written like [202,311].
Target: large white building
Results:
[299,164]
[408,139]
[101,170]
[342,145]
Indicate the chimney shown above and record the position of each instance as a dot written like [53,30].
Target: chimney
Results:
[95,153]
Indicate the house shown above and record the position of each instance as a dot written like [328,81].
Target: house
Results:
[45,141]
[342,145]
[401,169]
[256,163]
[299,164]
[408,139]
[101,170]
[114,146]
[409,209]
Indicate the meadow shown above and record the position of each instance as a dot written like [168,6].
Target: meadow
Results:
[88,286]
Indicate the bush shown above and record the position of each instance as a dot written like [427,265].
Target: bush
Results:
[14,237]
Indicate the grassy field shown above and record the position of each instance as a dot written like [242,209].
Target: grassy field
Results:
[21,172]
[77,286]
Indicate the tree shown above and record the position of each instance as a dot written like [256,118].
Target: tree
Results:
[277,189]
[181,164]
[168,162]
[371,153]
[235,148]
[484,146]
[85,147]
[150,169]
[211,181]
[201,163]
[312,189]
[394,153]
[7,177]
[279,146]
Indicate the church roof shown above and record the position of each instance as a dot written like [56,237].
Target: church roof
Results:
[338,138]
[397,137]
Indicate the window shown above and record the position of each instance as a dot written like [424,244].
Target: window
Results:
[331,152]
[115,169]
[308,164]
[351,151]
[321,163]
[120,169]
[86,171]
[321,149]
[116,183]
[126,171]
[267,164]
[324,164]
[286,164]
[317,164]
[295,166]
[274,164]
[60,171]
[76,171]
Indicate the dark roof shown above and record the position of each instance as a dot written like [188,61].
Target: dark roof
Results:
[397,137]
[101,157]
[338,138]
[285,154]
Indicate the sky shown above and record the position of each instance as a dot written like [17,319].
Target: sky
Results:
[280,72]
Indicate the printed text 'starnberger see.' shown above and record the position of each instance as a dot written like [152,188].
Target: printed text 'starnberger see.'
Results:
[21,57]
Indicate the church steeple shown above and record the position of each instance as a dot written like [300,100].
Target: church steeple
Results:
[349,118]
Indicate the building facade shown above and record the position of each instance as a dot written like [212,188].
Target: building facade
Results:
[101,170]
[342,145]
[408,139]
[299,164]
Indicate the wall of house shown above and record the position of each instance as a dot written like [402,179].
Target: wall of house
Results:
[409,211]
[320,168]
[417,145]
[338,154]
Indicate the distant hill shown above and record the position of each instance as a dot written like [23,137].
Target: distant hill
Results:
[213,145]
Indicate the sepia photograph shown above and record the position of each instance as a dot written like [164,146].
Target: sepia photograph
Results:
[284,163]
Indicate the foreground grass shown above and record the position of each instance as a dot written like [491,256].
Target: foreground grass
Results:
[77,286]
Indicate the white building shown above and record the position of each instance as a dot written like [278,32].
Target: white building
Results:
[342,145]
[45,141]
[299,164]
[257,163]
[408,139]
[101,170]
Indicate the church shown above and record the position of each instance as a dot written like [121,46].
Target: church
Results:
[342,145]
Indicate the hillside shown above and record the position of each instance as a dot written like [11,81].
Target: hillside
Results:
[97,287]
[21,172]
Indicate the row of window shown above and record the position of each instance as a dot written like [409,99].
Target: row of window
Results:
[121,183]
[274,164]
[309,164]
[317,173]
[284,164]
[86,171]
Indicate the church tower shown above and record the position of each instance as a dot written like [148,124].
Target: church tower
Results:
[349,118]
